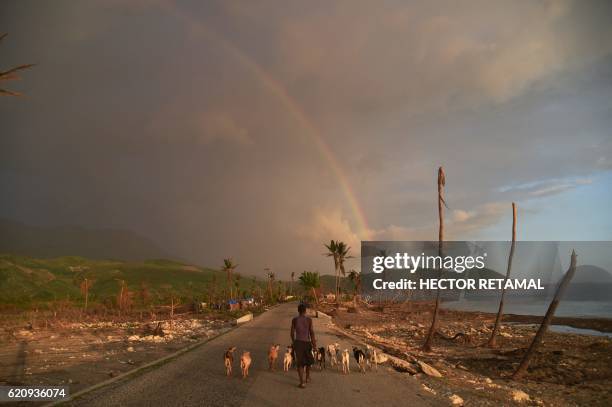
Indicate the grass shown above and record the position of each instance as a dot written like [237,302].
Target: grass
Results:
[27,282]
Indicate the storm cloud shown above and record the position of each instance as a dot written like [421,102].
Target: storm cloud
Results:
[245,129]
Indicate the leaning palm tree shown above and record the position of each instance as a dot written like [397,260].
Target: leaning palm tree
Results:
[11,75]
[310,281]
[229,267]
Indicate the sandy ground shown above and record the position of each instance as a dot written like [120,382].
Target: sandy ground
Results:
[83,354]
[568,369]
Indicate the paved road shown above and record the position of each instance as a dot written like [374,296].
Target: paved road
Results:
[197,378]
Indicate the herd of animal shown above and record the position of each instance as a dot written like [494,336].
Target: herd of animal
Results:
[338,358]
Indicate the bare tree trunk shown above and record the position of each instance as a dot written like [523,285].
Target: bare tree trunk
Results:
[522,369]
[441,202]
[337,271]
[121,298]
[500,312]
[86,292]
[172,311]
[316,298]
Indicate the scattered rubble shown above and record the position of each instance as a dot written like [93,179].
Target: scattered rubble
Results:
[519,396]
[89,350]
[456,400]
[428,370]
[568,369]
[403,366]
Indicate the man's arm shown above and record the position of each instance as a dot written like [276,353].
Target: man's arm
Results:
[313,340]
[292,330]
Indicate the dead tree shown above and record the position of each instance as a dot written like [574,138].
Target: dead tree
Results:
[85,291]
[441,204]
[522,369]
[172,305]
[492,340]
[11,75]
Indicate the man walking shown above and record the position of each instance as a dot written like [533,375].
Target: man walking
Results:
[303,340]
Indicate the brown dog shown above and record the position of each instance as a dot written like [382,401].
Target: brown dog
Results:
[272,356]
[245,363]
[228,360]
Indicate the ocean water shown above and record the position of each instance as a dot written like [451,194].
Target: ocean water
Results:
[565,329]
[585,309]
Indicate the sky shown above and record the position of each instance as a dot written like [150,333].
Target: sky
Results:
[260,130]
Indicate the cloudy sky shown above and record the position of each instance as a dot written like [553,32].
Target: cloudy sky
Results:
[259,130]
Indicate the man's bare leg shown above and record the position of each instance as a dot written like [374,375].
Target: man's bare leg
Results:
[300,370]
[307,374]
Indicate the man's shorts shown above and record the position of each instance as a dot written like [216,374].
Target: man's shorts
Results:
[303,353]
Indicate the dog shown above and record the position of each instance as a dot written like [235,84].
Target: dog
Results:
[331,353]
[288,361]
[245,363]
[371,357]
[338,356]
[346,368]
[228,359]
[272,356]
[320,358]
[360,357]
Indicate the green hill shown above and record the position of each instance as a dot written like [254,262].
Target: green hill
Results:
[26,281]
[328,284]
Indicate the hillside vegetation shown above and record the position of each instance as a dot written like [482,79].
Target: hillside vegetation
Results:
[26,282]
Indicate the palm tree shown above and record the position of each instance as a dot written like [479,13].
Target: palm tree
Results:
[271,277]
[310,280]
[340,252]
[229,267]
[292,277]
[332,251]
[11,74]
[355,277]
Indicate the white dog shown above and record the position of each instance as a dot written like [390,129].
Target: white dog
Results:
[331,352]
[338,357]
[371,357]
[288,359]
[346,359]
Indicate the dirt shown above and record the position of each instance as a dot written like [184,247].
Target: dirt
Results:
[81,354]
[567,370]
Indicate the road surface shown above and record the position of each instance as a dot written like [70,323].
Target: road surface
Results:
[197,378]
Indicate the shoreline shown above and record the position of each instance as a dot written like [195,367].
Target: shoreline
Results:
[600,324]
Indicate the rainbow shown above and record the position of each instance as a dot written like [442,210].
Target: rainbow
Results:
[293,107]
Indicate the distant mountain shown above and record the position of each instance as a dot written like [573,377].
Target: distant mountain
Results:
[590,283]
[36,241]
[591,274]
